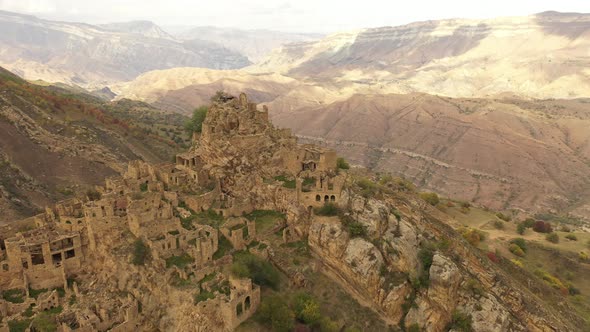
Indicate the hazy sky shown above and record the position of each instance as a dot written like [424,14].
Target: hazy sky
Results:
[286,15]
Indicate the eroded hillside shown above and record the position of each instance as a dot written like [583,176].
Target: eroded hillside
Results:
[243,231]
[53,143]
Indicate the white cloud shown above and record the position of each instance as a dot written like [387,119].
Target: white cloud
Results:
[301,15]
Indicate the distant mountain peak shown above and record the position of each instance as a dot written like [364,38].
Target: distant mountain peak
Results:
[142,27]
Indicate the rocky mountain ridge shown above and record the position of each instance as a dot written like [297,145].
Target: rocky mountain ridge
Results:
[94,56]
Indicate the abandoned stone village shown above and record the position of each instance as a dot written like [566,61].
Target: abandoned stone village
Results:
[155,248]
[76,257]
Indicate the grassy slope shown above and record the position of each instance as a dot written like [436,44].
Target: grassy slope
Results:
[127,129]
[558,259]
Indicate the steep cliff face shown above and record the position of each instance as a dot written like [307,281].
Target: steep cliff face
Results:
[457,58]
[418,271]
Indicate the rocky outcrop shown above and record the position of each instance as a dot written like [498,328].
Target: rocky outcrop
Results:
[385,269]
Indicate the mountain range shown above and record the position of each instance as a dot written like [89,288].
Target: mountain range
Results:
[487,110]
[491,111]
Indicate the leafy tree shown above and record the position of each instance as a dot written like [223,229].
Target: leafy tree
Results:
[246,265]
[473,236]
[430,198]
[521,228]
[552,237]
[498,224]
[195,124]
[307,309]
[328,209]
[542,227]
[529,222]
[342,163]
[520,242]
[328,325]
[460,321]
[275,312]
[93,195]
[516,250]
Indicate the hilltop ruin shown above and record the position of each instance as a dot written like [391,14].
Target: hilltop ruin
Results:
[231,170]
[152,248]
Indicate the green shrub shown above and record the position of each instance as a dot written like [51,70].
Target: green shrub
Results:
[425,256]
[203,296]
[93,195]
[286,182]
[520,228]
[308,183]
[516,250]
[14,295]
[307,309]
[414,328]
[179,261]
[550,279]
[571,237]
[460,321]
[275,313]
[552,237]
[356,229]
[328,209]
[141,252]
[195,124]
[504,217]
[45,321]
[223,247]
[34,293]
[498,224]
[143,187]
[430,198]
[475,287]
[473,236]
[261,272]
[19,325]
[368,188]
[328,325]
[529,222]
[342,164]
[520,242]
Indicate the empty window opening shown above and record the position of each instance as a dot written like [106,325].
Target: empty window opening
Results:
[70,253]
[56,259]
[247,303]
[37,259]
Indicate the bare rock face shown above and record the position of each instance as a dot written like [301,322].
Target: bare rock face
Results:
[491,317]
[383,269]
[445,279]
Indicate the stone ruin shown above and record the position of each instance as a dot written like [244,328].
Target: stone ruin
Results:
[237,164]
